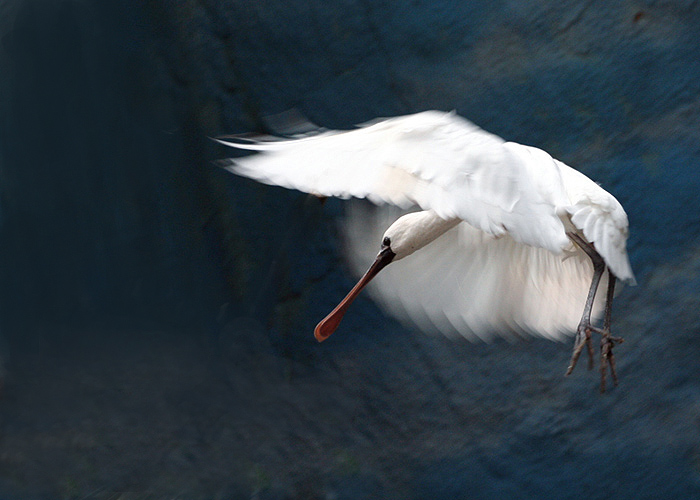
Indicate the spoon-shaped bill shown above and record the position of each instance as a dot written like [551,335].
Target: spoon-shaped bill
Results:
[329,324]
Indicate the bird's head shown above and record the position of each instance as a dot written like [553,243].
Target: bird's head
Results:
[408,234]
[412,232]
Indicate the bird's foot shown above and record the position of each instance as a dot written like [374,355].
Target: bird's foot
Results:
[583,339]
[607,358]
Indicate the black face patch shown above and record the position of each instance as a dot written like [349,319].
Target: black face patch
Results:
[386,242]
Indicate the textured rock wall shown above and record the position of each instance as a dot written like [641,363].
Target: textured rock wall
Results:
[110,212]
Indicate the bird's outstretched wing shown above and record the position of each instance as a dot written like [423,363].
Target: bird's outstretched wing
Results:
[434,160]
[468,282]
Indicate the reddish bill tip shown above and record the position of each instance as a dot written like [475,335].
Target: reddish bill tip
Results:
[331,322]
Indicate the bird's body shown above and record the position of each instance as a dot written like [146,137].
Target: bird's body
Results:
[500,241]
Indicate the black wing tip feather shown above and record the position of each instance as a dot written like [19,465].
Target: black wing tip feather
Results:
[290,124]
[226,163]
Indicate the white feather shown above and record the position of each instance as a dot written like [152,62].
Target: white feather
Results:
[508,267]
[435,160]
[471,283]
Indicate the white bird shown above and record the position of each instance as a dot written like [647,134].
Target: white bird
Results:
[506,238]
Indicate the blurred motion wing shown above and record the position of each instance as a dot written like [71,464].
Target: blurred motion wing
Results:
[470,283]
[434,160]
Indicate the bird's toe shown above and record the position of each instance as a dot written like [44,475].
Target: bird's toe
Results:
[583,339]
[607,358]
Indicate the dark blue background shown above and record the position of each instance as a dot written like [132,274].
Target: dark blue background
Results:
[157,312]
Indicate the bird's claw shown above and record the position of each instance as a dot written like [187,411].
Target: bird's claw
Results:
[607,358]
[583,339]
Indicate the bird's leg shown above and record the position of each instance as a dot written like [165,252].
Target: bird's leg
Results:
[583,332]
[607,342]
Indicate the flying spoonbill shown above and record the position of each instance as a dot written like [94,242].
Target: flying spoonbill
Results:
[506,238]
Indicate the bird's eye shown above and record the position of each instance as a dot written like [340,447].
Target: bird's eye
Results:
[386,242]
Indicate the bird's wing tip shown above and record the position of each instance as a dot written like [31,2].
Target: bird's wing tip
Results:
[225,163]
[241,139]
[291,123]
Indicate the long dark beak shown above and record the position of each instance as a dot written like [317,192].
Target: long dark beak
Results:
[329,324]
